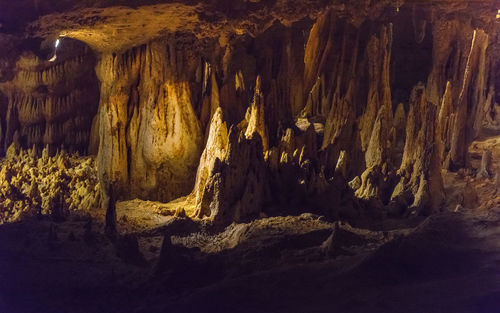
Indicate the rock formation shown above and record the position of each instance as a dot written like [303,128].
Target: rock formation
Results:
[150,136]
[51,102]
[485,169]
[51,186]
[268,112]
[420,169]
[207,155]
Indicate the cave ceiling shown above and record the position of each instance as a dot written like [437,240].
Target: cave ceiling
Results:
[118,25]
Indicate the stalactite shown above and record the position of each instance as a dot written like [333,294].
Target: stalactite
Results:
[44,96]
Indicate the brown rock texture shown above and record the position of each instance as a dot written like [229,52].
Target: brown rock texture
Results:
[149,132]
[250,108]
[420,169]
[51,186]
[235,190]
[51,102]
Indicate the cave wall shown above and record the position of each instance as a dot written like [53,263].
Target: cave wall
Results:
[50,103]
[319,97]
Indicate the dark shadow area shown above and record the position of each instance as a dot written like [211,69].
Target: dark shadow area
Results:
[444,265]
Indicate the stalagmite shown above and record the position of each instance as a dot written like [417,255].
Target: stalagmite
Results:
[444,124]
[379,94]
[470,197]
[485,169]
[377,120]
[217,144]
[420,168]
[497,182]
[256,120]
[226,197]
[110,227]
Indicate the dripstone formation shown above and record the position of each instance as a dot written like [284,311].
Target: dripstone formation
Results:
[249,156]
[50,102]
[345,109]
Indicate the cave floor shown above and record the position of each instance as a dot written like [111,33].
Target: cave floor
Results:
[449,262]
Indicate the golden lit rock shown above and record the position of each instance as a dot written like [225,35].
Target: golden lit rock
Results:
[194,156]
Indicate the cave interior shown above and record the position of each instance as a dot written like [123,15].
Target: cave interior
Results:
[249,156]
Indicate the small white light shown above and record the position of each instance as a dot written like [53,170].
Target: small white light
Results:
[57,43]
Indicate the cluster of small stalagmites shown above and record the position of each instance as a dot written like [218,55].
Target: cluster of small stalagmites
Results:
[54,186]
[294,167]
[287,172]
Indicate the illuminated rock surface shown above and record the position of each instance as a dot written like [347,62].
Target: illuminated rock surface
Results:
[57,186]
[255,155]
